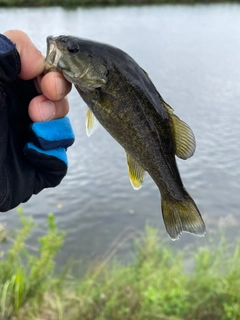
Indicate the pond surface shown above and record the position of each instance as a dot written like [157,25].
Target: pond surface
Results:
[192,55]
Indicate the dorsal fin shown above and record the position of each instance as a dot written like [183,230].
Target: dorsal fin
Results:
[183,136]
[92,123]
[136,172]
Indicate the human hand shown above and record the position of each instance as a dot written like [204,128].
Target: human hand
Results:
[34,131]
[51,103]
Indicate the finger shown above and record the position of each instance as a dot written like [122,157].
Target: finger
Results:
[32,61]
[42,109]
[54,86]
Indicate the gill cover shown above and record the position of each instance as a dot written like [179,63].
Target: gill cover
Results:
[78,63]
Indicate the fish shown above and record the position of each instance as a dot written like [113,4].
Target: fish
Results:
[122,98]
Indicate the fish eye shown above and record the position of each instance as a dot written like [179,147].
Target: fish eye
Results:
[73,48]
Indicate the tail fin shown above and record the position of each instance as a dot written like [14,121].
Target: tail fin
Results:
[182,216]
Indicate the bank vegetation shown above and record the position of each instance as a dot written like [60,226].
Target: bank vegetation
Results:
[158,284]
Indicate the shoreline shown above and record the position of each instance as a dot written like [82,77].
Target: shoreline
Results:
[102,3]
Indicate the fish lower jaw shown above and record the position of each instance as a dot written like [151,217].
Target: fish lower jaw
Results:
[53,57]
[58,55]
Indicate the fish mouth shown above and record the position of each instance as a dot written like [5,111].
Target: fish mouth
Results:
[53,56]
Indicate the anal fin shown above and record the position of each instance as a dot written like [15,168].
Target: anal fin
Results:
[136,172]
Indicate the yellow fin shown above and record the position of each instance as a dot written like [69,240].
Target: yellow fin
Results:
[136,172]
[184,139]
[92,123]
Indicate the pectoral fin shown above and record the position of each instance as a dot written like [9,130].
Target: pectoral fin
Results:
[92,123]
[184,139]
[135,171]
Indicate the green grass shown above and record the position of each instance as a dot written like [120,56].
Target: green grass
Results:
[156,285]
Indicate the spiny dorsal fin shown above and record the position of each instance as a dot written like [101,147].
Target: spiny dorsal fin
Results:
[92,123]
[184,139]
[136,172]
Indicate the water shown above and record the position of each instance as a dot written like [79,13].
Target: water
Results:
[192,55]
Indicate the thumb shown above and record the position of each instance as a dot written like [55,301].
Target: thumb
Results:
[32,61]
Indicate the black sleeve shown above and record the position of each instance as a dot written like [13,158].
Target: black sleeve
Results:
[17,175]
[15,95]
[21,174]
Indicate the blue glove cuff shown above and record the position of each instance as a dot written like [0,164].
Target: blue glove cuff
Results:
[59,153]
[52,134]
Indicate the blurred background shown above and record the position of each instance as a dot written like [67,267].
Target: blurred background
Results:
[191,53]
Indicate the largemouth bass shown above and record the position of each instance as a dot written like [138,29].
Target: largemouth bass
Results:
[121,96]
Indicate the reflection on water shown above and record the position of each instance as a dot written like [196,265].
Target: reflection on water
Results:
[192,55]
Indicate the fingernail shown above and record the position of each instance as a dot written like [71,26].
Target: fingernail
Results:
[47,110]
[59,86]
